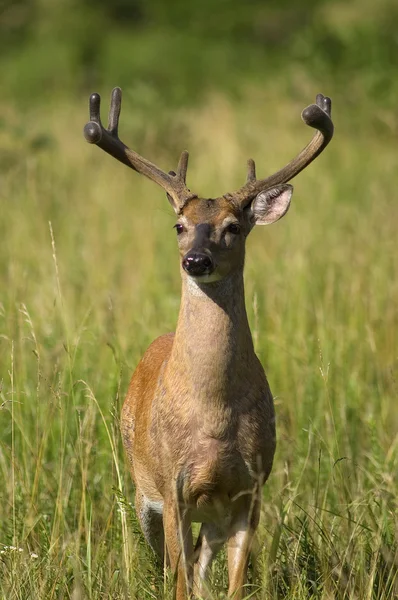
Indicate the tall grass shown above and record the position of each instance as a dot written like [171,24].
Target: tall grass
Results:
[89,276]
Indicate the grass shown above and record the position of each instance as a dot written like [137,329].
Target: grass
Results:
[89,276]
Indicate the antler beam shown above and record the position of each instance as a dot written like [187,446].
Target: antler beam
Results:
[108,140]
[317,116]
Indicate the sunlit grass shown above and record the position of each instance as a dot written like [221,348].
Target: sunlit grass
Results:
[89,276]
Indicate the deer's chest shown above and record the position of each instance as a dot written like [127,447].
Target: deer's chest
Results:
[214,473]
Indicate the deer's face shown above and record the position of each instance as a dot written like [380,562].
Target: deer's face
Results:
[212,233]
[211,238]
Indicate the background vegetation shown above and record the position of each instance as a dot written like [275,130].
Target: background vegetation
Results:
[89,276]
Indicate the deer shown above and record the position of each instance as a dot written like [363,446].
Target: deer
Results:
[198,421]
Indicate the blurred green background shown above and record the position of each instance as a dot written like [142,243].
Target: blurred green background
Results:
[174,52]
[89,277]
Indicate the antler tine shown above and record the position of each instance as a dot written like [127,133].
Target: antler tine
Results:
[251,170]
[114,111]
[183,166]
[108,140]
[317,116]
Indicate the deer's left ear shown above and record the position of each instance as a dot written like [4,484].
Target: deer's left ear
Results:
[271,205]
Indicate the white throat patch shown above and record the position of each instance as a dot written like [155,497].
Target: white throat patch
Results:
[197,286]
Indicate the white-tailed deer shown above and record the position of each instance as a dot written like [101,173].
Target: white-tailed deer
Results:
[198,421]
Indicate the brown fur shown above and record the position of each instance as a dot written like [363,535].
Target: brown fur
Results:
[198,420]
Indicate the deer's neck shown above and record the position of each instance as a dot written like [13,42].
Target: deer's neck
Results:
[213,346]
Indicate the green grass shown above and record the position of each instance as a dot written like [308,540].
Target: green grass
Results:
[89,276]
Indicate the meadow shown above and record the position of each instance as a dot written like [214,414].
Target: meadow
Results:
[89,277]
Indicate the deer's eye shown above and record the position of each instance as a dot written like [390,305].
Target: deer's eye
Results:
[233,228]
[179,228]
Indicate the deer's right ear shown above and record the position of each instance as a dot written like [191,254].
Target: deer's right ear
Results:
[271,205]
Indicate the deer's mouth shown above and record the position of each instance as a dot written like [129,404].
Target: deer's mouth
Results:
[209,278]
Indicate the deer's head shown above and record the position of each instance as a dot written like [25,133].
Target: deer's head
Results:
[212,232]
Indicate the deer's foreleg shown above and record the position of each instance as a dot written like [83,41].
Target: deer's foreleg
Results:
[239,544]
[178,536]
[211,539]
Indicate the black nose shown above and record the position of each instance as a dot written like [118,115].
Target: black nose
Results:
[198,263]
